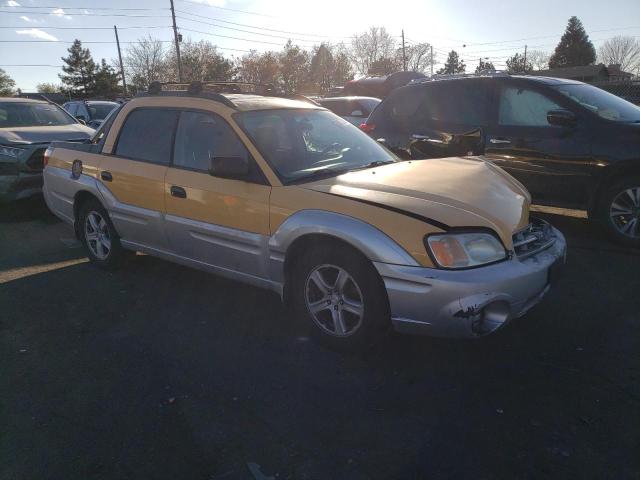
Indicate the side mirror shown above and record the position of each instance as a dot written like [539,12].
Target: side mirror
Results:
[236,168]
[82,119]
[357,113]
[561,118]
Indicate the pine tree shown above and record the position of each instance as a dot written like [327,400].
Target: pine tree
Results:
[516,64]
[575,49]
[453,64]
[484,66]
[6,83]
[80,70]
[105,81]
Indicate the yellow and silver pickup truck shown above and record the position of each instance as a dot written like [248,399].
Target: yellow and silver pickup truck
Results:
[285,195]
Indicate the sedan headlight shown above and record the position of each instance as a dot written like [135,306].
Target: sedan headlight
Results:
[12,152]
[464,250]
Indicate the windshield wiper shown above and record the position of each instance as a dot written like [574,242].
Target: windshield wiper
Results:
[377,163]
[322,172]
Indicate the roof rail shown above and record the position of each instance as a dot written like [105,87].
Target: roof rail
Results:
[193,89]
[214,90]
[453,76]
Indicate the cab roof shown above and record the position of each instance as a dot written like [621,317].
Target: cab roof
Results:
[246,102]
[20,100]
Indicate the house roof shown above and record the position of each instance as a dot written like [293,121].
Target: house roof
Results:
[574,72]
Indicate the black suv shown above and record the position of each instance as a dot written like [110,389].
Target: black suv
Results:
[571,144]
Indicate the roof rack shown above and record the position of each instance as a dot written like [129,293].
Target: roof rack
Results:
[453,76]
[214,90]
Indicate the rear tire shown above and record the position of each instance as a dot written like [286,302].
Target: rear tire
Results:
[619,211]
[99,236]
[340,296]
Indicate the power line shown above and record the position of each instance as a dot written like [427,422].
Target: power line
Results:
[253,26]
[90,28]
[85,14]
[202,4]
[248,31]
[94,8]
[232,38]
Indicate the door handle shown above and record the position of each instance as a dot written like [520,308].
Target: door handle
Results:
[178,192]
[426,138]
[499,141]
[106,176]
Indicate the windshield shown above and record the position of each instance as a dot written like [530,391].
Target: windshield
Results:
[32,115]
[99,111]
[301,144]
[603,103]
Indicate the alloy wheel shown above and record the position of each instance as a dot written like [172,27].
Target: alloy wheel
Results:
[624,212]
[334,300]
[96,233]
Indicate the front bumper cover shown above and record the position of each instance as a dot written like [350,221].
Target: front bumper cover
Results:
[473,302]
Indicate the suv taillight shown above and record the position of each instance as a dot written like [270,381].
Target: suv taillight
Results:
[367,127]
[45,157]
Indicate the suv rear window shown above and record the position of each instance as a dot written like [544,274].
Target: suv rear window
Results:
[147,135]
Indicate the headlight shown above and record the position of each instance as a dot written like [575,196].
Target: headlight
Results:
[463,250]
[12,152]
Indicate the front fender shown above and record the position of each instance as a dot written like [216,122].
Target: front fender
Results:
[374,244]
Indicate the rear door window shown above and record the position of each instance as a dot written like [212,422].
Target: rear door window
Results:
[459,102]
[147,135]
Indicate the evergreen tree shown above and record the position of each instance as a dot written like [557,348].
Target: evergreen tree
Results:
[516,64]
[6,83]
[453,64]
[105,82]
[484,66]
[575,49]
[79,69]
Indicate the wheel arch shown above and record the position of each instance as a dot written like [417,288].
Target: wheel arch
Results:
[612,174]
[80,198]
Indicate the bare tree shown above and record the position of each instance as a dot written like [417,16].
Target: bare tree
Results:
[145,62]
[200,61]
[538,59]
[418,57]
[262,68]
[371,47]
[621,50]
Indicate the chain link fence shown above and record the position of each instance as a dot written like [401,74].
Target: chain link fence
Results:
[627,89]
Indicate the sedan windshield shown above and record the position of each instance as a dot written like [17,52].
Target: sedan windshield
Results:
[32,115]
[305,144]
[603,103]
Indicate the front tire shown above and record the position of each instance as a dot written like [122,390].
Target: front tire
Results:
[98,235]
[341,297]
[620,211]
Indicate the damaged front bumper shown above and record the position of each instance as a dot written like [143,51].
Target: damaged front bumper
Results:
[469,303]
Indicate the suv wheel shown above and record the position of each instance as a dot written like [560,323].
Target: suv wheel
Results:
[99,236]
[620,211]
[341,296]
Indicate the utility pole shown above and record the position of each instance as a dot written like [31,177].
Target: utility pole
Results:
[404,54]
[124,81]
[431,60]
[524,68]
[176,39]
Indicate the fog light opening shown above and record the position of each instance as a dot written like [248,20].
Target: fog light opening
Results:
[490,318]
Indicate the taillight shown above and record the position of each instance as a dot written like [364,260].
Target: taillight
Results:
[45,157]
[367,127]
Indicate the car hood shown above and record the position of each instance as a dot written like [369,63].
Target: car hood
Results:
[456,192]
[29,135]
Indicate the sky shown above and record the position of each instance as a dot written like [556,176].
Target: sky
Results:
[34,34]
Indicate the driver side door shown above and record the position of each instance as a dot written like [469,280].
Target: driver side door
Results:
[553,162]
[219,222]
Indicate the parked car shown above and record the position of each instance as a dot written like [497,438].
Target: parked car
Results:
[285,195]
[26,129]
[92,112]
[354,110]
[571,144]
[379,86]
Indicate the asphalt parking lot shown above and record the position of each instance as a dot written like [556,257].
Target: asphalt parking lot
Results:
[159,371]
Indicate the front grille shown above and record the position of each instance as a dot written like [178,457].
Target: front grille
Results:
[537,236]
[35,162]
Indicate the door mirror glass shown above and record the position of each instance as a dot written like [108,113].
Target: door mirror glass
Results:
[561,118]
[229,167]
